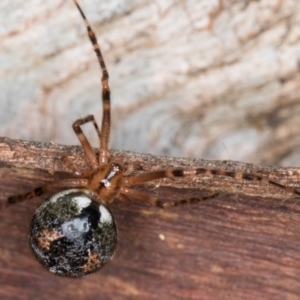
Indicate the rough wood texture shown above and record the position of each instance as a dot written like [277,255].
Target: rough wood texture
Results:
[235,246]
[194,74]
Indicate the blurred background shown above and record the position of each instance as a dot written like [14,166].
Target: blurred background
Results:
[193,78]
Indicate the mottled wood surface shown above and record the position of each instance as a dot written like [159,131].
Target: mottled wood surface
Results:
[240,245]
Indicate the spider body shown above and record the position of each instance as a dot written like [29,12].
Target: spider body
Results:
[72,235]
[106,181]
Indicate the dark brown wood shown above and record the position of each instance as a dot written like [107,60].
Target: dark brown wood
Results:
[244,244]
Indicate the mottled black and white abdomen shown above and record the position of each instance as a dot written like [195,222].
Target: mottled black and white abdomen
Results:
[71,235]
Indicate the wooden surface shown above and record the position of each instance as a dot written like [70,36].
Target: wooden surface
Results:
[240,245]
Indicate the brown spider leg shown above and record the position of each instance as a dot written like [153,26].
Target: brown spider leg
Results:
[162,203]
[287,188]
[68,183]
[84,141]
[145,177]
[91,118]
[238,175]
[70,166]
[106,119]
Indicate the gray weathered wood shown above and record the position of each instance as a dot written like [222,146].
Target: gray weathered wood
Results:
[186,76]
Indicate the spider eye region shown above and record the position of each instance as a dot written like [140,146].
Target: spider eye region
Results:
[71,235]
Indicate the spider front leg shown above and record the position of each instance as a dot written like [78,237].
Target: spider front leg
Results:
[162,203]
[145,177]
[64,184]
[84,141]
[237,175]
[106,118]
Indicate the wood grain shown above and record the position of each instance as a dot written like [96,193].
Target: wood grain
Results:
[244,244]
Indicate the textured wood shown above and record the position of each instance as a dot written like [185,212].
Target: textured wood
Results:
[235,246]
[195,75]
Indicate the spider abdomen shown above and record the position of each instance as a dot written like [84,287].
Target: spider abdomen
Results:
[71,235]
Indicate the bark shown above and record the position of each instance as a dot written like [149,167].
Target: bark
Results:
[239,245]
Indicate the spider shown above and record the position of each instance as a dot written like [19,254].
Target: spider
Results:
[73,233]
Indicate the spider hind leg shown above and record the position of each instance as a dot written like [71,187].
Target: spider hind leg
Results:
[163,203]
[64,184]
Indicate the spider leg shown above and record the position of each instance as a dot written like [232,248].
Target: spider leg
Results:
[106,119]
[238,175]
[70,166]
[91,118]
[162,203]
[84,141]
[68,183]
[145,177]
[287,188]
